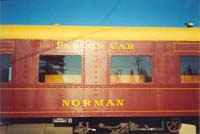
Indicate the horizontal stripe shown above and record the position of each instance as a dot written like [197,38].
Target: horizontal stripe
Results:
[123,111]
[98,33]
[112,88]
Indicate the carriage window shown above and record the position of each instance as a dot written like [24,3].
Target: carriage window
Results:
[60,69]
[5,67]
[190,69]
[131,69]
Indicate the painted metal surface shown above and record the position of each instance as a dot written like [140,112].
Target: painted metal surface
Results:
[25,96]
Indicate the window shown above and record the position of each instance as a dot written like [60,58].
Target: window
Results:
[60,69]
[190,69]
[131,69]
[5,67]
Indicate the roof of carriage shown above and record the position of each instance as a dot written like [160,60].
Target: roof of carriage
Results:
[58,32]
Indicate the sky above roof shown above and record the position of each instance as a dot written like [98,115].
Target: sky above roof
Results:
[136,13]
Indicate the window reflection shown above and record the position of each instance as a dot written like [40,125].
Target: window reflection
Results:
[60,69]
[5,68]
[131,69]
[189,69]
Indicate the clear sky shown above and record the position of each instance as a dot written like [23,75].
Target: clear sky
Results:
[148,13]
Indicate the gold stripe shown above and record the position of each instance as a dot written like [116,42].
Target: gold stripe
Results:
[124,111]
[97,33]
[113,88]
[188,51]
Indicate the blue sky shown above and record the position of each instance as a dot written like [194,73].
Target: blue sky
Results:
[147,13]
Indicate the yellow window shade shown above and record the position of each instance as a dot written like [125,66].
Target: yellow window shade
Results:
[62,78]
[127,78]
[190,79]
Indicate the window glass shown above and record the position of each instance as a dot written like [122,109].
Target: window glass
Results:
[5,67]
[60,69]
[189,69]
[131,69]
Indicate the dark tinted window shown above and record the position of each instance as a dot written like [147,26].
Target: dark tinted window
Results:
[190,69]
[131,69]
[60,69]
[5,68]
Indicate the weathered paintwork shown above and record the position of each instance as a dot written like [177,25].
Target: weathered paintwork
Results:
[164,96]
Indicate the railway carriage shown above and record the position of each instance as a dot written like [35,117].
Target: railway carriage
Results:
[98,80]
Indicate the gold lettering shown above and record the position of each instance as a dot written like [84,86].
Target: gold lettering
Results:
[120,102]
[94,46]
[76,46]
[65,103]
[86,103]
[66,45]
[96,103]
[59,44]
[131,47]
[89,46]
[110,103]
[122,47]
[99,103]
[100,46]
[76,103]
[113,46]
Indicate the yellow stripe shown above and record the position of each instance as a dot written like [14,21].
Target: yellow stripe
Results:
[187,51]
[97,33]
[106,88]
[124,111]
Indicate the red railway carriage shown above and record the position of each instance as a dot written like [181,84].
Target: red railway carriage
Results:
[100,79]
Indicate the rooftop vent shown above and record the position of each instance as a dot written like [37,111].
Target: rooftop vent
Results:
[56,24]
[189,24]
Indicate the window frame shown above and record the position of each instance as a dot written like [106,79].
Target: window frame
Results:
[179,68]
[142,83]
[12,67]
[57,83]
